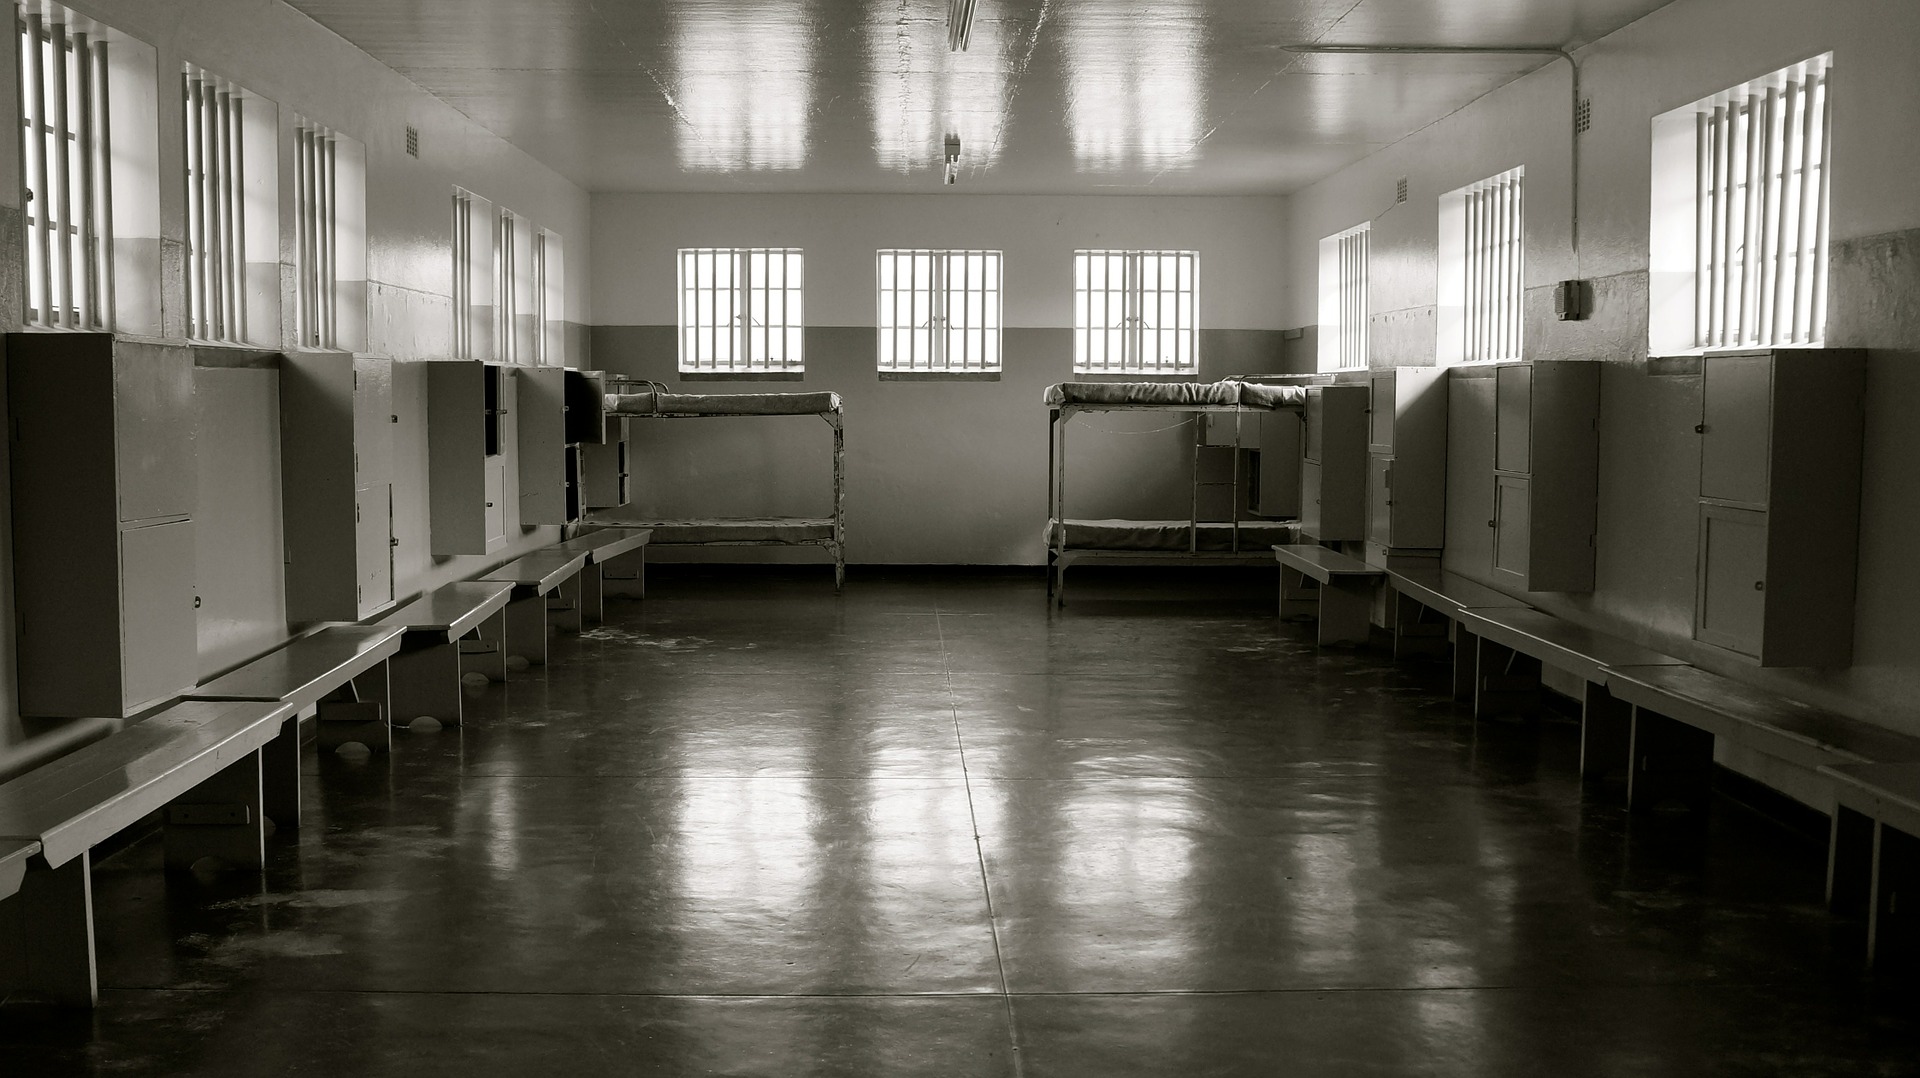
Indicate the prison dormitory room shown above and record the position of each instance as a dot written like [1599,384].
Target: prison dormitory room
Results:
[1015,538]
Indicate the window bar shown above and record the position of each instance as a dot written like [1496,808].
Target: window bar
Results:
[1742,326]
[1509,267]
[1786,262]
[1771,196]
[63,136]
[236,172]
[33,148]
[196,241]
[303,214]
[101,137]
[326,238]
[1702,224]
[1817,307]
[1722,219]
[1476,253]
[89,292]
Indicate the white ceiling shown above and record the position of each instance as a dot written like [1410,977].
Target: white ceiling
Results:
[1053,97]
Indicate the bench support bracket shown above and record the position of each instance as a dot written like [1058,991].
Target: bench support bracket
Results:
[222,818]
[47,929]
[1671,762]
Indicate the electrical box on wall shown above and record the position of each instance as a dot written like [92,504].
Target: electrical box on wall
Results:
[1572,300]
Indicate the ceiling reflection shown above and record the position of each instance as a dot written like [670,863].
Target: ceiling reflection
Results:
[921,92]
[1135,98]
[742,85]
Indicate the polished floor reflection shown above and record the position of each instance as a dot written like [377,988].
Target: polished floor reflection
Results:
[930,828]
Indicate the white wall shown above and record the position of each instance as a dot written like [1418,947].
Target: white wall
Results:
[1241,243]
[1649,456]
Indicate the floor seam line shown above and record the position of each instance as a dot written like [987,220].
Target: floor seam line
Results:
[980,855]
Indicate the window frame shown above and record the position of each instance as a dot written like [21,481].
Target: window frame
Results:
[935,298]
[1482,271]
[742,289]
[1729,210]
[1345,299]
[1131,295]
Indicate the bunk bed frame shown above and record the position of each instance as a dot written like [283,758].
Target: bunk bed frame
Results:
[1252,549]
[654,401]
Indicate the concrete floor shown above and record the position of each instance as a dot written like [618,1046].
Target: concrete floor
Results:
[929,828]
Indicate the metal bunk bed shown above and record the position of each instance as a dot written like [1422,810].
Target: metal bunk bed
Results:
[651,400]
[1235,541]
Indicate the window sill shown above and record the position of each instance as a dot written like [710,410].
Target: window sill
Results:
[1136,376]
[742,376]
[939,376]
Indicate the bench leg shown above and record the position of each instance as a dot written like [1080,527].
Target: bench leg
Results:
[426,684]
[1507,682]
[593,605]
[357,713]
[563,604]
[47,950]
[1344,614]
[1606,732]
[1849,861]
[626,575]
[1671,761]
[1414,635]
[1299,596]
[222,818]
[280,776]
[527,629]
[1466,662]
[484,650]
[1892,935]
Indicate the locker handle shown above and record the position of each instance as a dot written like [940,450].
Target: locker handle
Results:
[1700,428]
[489,505]
[1759,585]
[1490,524]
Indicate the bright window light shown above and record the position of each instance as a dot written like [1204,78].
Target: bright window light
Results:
[939,310]
[1343,299]
[1482,263]
[740,310]
[1134,312]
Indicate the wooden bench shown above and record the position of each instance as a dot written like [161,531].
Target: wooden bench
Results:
[1873,859]
[602,546]
[543,581]
[1342,595]
[1511,645]
[203,762]
[424,675]
[1423,590]
[48,745]
[339,674]
[1678,712]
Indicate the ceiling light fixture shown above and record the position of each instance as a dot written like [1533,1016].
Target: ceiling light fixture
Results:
[953,159]
[959,25]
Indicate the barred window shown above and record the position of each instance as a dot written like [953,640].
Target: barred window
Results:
[507,267]
[233,219]
[550,298]
[68,175]
[939,311]
[740,310]
[1760,210]
[1134,312]
[1343,299]
[1482,270]
[474,281]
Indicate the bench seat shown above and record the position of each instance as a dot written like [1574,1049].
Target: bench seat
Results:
[545,582]
[203,761]
[1509,646]
[424,675]
[601,546]
[14,855]
[1427,605]
[1874,855]
[339,671]
[1341,597]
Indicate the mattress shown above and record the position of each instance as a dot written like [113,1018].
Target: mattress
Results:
[1256,537]
[661,403]
[1177,395]
[754,531]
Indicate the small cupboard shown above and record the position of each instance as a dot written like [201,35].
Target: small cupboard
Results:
[1779,506]
[1546,471]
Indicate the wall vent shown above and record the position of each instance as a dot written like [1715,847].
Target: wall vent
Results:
[413,141]
[1583,116]
[1400,191]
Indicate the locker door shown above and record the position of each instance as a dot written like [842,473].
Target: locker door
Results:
[496,507]
[1315,421]
[1732,596]
[372,421]
[159,636]
[1380,498]
[373,547]
[1382,415]
[1279,464]
[1512,526]
[1310,497]
[1736,406]
[1513,419]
